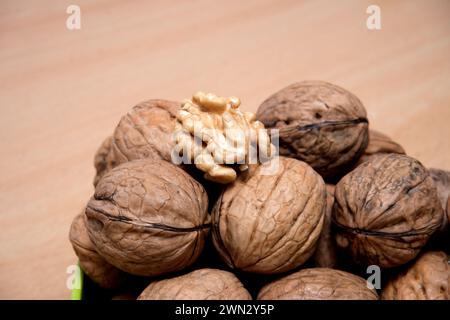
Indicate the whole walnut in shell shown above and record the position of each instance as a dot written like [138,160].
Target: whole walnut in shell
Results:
[442,180]
[146,132]
[318,284]
[148,217]
[325,254]
[427,279]
[380,143]
[319,123]
[386,210]
[104,274]
[203,284]
[269,222]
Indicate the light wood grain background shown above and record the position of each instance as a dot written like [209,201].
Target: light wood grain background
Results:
[63,91]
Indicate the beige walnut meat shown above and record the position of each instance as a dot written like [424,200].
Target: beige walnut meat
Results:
[269,219]
[318,284]
[203,284]
[427,279]
[148,217]
[319,123]
[100,271]
[214,134]
[386,210]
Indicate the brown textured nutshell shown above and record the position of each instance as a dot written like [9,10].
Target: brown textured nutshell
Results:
[103,160]
[268,220]
[143,133]
[203,284]
[318,284]
[386,210]
[319,123]
[380,143]
[148,217]
[442,180]
[96,268]
[448,210]
[146,132]
[427,279]
[325,255]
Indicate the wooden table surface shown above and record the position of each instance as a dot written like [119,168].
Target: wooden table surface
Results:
[63,91]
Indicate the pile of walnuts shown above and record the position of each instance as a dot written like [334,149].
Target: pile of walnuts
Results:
[297,201]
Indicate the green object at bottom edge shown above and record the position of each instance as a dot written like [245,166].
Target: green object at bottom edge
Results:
[77,291]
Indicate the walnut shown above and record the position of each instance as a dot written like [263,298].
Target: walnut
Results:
[318,284]
[319,123]
[427,279]
[146,132]
[93,265]
[386,210]
[148,217]
[213,133]
[448,210]
[103,160]
[143,133]
[269,223]
[380,143]
[441,179]
[325,254]
[203,284]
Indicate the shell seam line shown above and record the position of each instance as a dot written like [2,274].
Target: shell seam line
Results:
[150,224]
[323,124]
[377,233]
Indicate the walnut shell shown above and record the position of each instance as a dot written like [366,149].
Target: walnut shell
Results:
[318,284]
[203,284]
[448,210]
[325,254]
[380,143]
[148,217]
[427,279]
[103,160]
[270,222]
[124,296]
[386,210]
[319,123]
[146,132]
[442,180]
[104,274]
